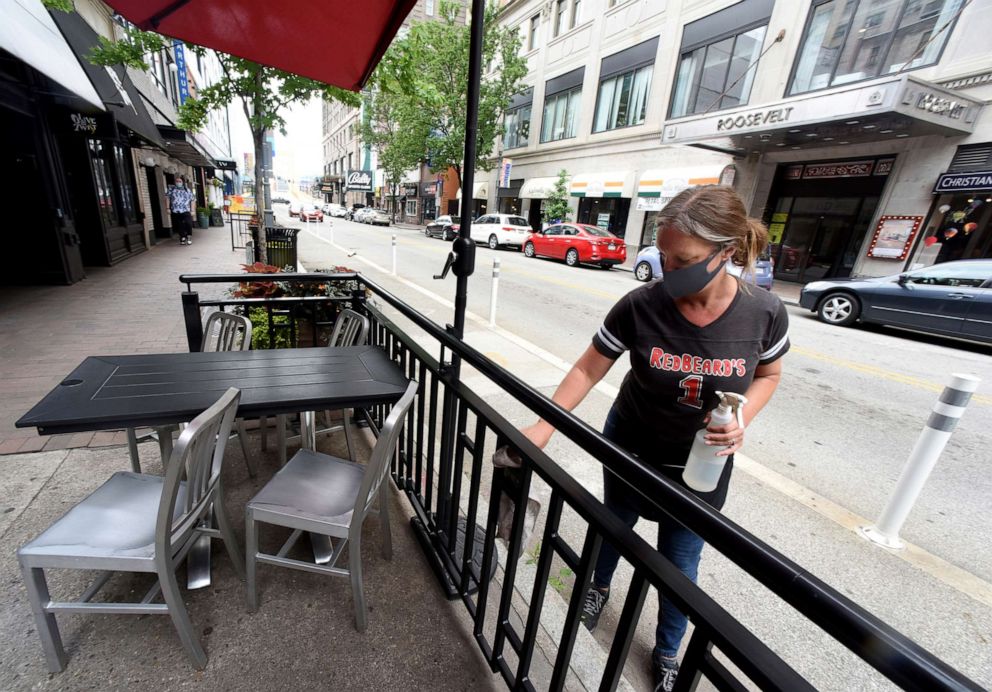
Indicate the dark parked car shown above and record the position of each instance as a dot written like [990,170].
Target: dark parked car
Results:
[443,227]
[950,299]
[280,200]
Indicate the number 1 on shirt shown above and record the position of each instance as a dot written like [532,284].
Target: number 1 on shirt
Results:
[692,387]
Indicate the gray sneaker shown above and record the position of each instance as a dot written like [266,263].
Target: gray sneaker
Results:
[591,609]
[665,670]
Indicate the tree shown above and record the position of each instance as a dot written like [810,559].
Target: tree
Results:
[423,76]
[264,92]
[556,207]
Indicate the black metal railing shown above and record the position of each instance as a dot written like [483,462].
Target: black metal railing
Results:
[240,235]
[443,470]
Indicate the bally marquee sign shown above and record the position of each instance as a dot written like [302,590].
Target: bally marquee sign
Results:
[359,180]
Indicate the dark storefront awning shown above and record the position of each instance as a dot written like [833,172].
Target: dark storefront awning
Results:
[179,145]
[267,32]
[883,110]
[226,164]
[113,85]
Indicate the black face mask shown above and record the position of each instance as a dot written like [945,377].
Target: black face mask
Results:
[691,279]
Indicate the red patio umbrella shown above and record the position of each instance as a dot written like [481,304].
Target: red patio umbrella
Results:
[337,42]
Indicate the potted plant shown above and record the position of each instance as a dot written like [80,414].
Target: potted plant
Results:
[202,217]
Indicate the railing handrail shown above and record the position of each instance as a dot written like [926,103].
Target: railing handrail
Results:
[891,653]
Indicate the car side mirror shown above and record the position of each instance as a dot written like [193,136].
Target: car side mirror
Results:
[903,279]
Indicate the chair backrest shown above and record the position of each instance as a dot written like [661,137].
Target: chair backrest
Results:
[226,332]
[383,451]
[350,329]
[195,467]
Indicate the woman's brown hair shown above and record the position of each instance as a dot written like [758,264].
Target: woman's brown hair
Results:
[716,214]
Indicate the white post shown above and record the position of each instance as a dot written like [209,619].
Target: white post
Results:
[492,295]
[330,222]
[394,254]
[943,418]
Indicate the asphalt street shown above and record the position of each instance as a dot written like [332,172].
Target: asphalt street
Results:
[851,405]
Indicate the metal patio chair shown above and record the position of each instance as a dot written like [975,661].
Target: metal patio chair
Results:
[331,497]
[138,523]
[350,329]
[222,332]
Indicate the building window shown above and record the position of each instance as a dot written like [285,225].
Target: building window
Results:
[574,16]
[159,72]
[103,180]
[566,15]
[535,26]
[125,184]
[411,207]
[429,8]
[852,40]
[561,115]
[517,127]
[623,100]
[350,161]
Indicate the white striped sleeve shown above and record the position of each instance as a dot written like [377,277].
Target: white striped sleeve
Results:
[775,350]
[611,342]
[776,342]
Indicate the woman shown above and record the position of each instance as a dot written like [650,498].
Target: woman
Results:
[697,331]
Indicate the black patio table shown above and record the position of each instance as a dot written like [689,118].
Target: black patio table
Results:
[156,390]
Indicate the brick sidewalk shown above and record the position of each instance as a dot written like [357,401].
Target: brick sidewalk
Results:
[133,307]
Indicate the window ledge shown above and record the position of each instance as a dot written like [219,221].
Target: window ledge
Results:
[566,34]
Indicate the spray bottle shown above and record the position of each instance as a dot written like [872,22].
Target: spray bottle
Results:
[703,468]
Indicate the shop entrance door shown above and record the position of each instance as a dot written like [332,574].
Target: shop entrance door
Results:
[822,237]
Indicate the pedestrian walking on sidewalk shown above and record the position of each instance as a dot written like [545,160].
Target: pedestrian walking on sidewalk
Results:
[698,331]
[181,208]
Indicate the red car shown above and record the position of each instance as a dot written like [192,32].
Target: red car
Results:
[577,244]
[311,212]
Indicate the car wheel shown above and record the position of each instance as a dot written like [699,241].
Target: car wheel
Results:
[607,267]
[529,250]
[840,309]
[493,242]
[572,257]
[642,272]
[446,234]
[427,233]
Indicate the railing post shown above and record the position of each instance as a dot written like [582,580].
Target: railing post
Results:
[943,419]
[492,295]
[394,254]
[191,316]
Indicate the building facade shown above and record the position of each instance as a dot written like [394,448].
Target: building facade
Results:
[834,119]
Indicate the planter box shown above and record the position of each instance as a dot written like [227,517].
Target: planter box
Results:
[202,220]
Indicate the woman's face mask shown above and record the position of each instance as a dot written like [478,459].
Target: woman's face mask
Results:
[691,279]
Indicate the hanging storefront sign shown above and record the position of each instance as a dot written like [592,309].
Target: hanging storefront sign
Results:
[178,50]
[360,180]
[976,181]
[846,169]
[893,237]
[884,166]
[505,168]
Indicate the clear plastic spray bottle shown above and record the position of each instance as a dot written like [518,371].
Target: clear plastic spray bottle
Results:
[703,468]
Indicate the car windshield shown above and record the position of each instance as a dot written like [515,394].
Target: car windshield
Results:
[516,221]
[452,219]
[596,230]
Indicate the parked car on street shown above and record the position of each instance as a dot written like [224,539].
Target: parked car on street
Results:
[949,299]
[280,200]
[334,210]
[377,217]
[311,212]
[443,227]
[577,244]
[360,215]
[496,230]
[647,266]
[294,208]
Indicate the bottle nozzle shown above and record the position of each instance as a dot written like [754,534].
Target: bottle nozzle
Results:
[735,402]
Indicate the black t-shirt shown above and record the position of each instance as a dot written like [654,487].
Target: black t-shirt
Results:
[677,367]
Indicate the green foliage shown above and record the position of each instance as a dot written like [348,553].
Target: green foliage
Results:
[557,581]
[60,5]
[260,330]
[132,51]
[556,207]
[417,110]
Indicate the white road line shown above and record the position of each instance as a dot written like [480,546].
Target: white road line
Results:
[952,575]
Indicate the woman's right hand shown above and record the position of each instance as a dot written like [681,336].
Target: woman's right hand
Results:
[539,433]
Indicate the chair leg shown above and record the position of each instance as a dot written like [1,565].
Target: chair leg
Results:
[346,418]
[227,534]
[387,537]
[243,439]
[251,550]
[45,623]
[180,617]
[281,438]
[357,592]
[132,449]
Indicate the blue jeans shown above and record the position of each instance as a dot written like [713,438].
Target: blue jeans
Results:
[677,544]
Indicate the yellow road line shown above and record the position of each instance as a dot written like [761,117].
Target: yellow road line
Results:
[875,371]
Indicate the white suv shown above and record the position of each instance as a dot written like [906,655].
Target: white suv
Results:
[500,229]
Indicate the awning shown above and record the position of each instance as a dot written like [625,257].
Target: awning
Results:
[882,110]
[479,191]
[972,181]
[179,145]
[227,164]
[112,83]
[610,184]
[262,31]
[28,33]
[670,182]
[537,188]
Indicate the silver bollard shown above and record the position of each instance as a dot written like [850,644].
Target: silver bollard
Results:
[394,254]
[944,416]
[492,295]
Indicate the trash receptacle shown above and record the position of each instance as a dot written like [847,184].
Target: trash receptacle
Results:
[280,246]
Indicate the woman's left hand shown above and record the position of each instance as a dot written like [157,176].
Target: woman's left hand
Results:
[729,436]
